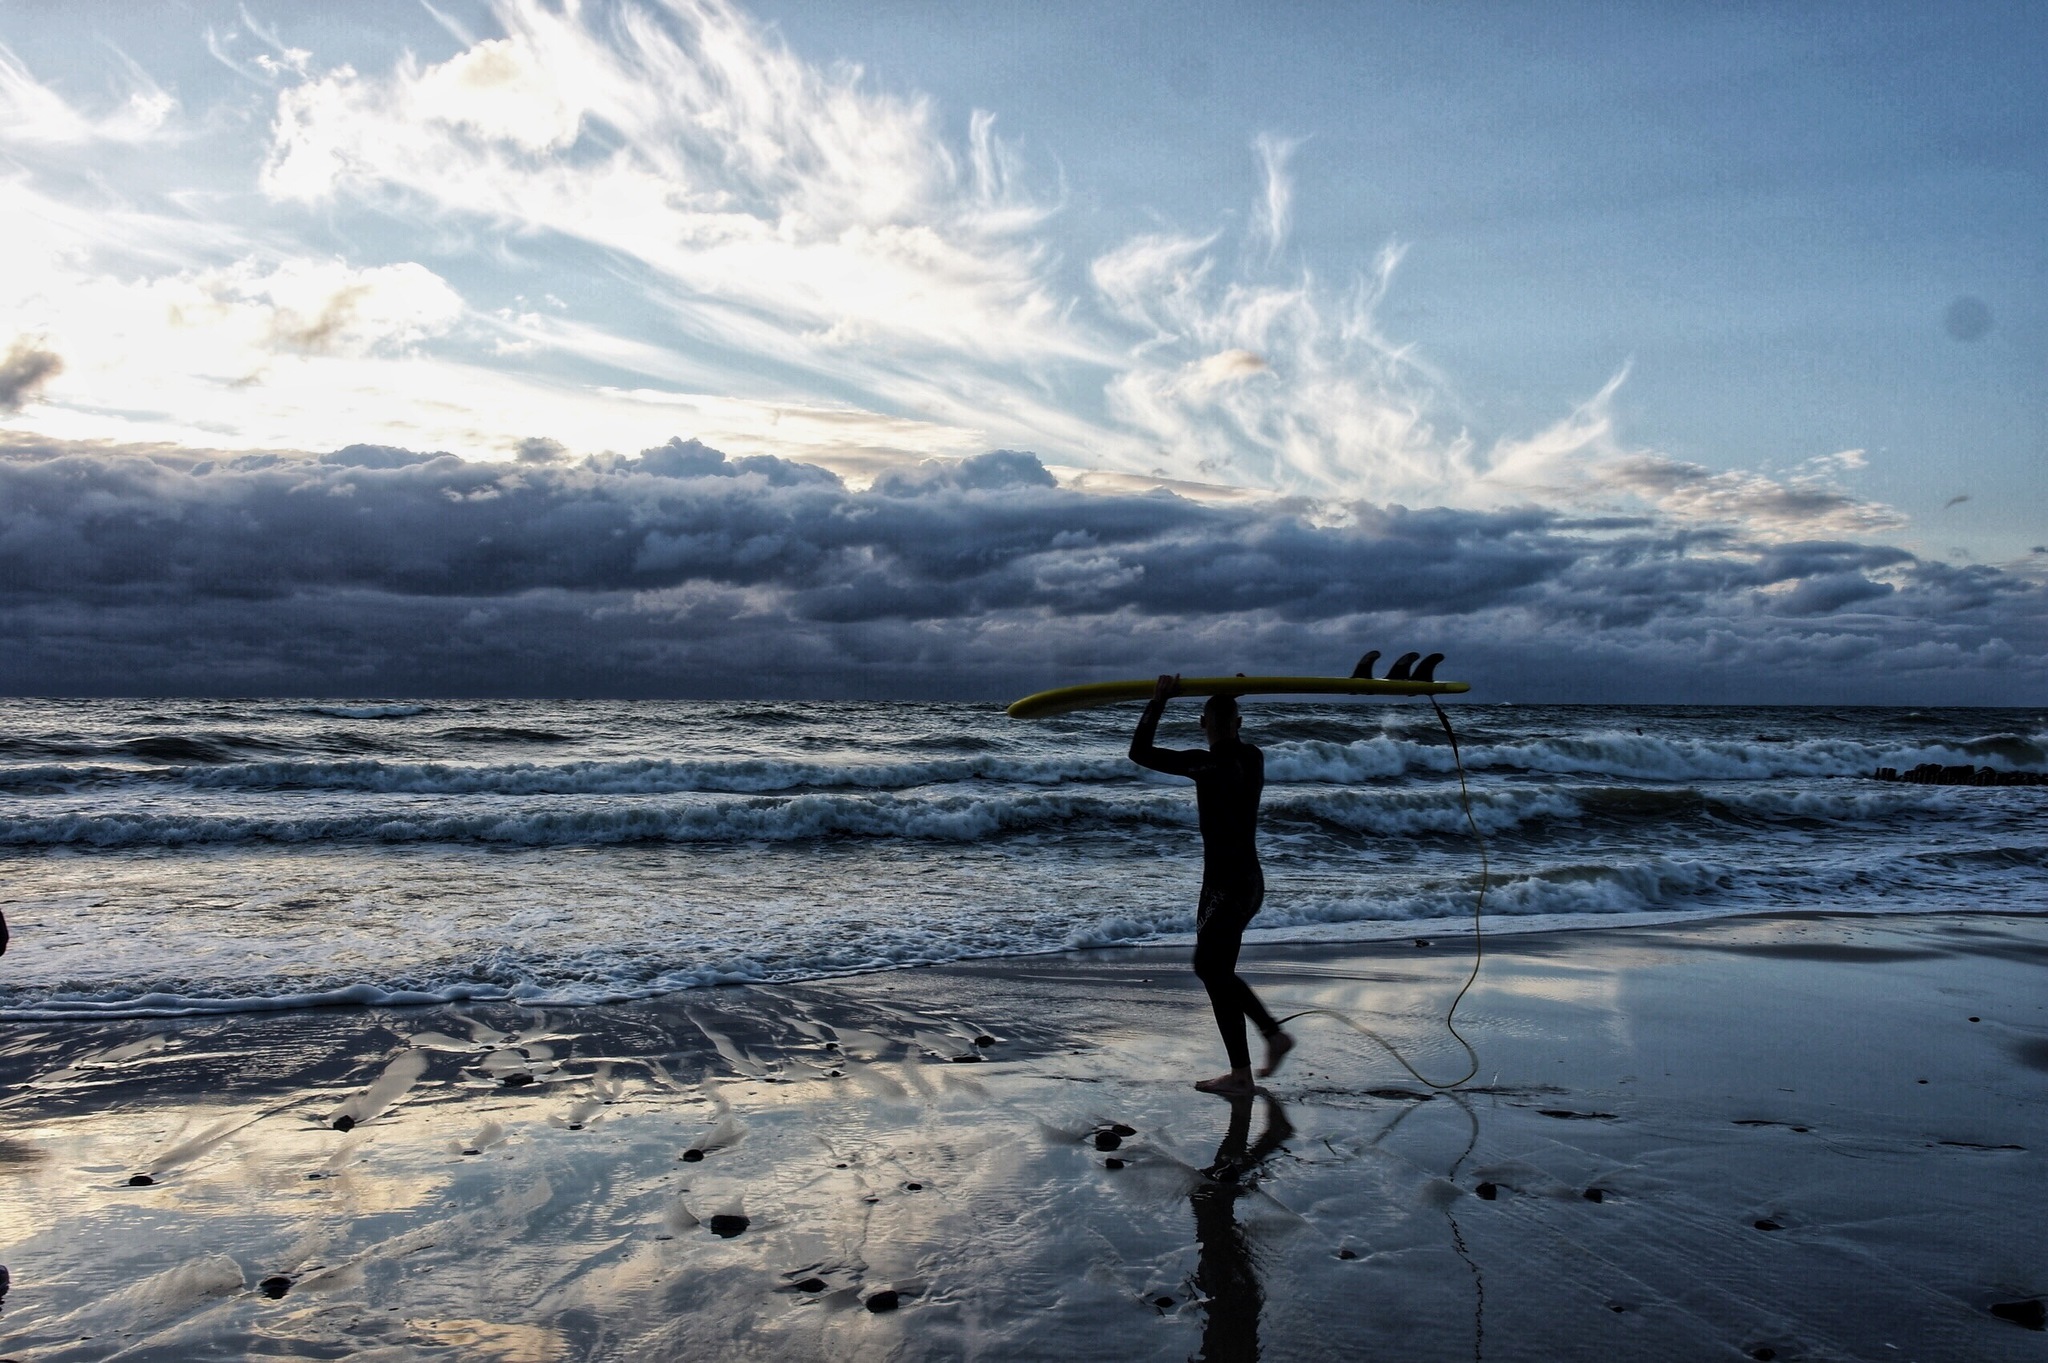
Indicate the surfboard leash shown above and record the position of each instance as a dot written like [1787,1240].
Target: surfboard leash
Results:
[1478,941]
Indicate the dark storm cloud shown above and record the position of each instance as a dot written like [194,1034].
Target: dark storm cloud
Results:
[683,571]
[25,368]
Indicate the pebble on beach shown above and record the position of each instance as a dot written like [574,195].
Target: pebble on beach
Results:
[726,1225]
[141,1181]
[885,1300]
[343,1123]
[275,1286]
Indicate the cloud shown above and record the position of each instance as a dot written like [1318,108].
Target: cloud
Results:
[1581,462]
[684,571]
[815,268]
[34,114]
[772,202]
[26,368]
[1275,218]
[793,220]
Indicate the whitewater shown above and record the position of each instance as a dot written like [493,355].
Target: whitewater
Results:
[172,857]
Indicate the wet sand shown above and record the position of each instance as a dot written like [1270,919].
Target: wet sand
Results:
[1791,1137]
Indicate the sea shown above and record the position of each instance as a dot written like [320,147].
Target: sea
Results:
[164,858]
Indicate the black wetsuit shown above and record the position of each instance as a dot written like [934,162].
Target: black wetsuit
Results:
[1228,782]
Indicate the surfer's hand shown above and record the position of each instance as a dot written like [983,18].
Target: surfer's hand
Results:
[1169,685]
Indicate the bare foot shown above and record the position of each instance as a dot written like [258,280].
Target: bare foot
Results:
[1237,1083]
[1277,1047]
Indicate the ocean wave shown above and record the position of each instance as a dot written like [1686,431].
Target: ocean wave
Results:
[945,818]
[939,815]
[499,733]
[647,776]
[629,972]
[1408,812]
[1652,889]
[388,711]
[1658,884]
[176,748]
[1874,803]
[1643,757]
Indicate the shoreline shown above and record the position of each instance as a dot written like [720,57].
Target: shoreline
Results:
[1010,1146]
[1368,933]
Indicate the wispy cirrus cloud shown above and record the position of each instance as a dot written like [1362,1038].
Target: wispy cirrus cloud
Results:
[815,264]
[34,114]
[792,208]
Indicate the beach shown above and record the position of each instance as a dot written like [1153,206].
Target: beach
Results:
[1776,1136]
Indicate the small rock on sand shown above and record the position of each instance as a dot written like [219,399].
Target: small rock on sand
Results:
[275,1286]
[343,1123]
[884,1300]
[141,1181]
[692,1155]
[726,1225]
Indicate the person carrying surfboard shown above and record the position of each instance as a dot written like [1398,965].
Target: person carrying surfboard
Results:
[1229,779]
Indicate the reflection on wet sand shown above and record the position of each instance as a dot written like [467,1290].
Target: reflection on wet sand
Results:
[980,1162]
[1228,1276]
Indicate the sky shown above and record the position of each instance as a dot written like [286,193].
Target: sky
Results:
[1622,352]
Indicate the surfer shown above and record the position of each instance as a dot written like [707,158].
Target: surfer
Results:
[1228,780]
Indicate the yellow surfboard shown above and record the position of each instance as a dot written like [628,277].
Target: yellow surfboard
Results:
[1088,695]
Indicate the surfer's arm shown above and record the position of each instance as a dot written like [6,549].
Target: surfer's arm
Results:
[1144,751]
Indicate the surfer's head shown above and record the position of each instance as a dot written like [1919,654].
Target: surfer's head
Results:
[1220,720]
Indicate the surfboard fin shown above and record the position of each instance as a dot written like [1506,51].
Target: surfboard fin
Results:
[1426,669]
[1364,668]
[1399,671]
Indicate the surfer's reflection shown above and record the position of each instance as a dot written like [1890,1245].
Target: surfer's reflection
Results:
[1227,1275]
